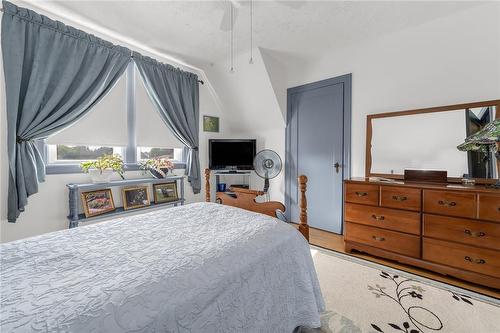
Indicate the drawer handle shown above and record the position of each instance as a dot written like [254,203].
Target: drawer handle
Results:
[474,233]
[475,261]
[378,239]
[361,194]
[447,203]
[399,197]
[378,218]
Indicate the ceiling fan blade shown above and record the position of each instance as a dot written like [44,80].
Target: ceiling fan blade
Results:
[225,23]
[236,3]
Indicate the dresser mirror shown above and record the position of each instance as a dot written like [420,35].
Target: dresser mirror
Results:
[427,139]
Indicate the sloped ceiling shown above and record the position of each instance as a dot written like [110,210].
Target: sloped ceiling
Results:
[286,35]
[191,30]
[277,74]
[247,94]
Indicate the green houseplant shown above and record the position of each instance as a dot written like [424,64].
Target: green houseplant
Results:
[157,167]
[486,140]
[101,169]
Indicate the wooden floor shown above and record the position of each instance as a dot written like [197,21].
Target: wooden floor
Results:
[335,242]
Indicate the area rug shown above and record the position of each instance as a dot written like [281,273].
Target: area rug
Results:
[361,296]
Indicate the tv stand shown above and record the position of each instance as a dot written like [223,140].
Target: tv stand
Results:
[236,178]
[225,172]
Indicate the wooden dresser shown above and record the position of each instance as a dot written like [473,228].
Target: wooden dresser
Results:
[450,229]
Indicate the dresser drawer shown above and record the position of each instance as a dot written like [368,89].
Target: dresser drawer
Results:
[450,203]
[471,232]
[361,193]
[489,207]
[466,257]
[401,197]
[386,218]
[385,239]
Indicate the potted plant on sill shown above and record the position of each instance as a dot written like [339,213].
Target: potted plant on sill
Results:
[157,167]
[100,170]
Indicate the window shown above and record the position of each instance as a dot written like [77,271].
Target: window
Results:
[68,154]
[124,122]
[144,153]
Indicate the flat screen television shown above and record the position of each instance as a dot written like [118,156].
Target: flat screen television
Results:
[231,154]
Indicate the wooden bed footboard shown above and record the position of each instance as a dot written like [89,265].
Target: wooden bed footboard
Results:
[245,198]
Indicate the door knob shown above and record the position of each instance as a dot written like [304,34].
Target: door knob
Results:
[337,166]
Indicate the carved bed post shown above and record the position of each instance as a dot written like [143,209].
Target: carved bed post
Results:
[303,227]
[207,185]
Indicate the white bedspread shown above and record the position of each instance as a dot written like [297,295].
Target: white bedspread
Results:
[196,268]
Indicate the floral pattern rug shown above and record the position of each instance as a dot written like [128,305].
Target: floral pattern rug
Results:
[361,296]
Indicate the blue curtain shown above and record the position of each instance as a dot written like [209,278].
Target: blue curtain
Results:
[175,94]
[54,74]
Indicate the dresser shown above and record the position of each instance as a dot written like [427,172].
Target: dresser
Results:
[446,228]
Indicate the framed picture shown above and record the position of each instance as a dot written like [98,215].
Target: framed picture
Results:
[135,197]
[97,202]
[165,192]
[210,124]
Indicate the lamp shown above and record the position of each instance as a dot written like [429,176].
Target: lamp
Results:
[485,140]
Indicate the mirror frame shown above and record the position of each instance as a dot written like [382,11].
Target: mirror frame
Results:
[369,129]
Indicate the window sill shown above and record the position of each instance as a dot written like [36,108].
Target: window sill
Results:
[59,169]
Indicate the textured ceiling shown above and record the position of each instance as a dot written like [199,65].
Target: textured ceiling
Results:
[191,30]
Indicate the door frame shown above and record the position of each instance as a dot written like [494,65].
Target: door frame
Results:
[291,175]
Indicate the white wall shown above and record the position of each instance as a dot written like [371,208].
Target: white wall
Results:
[453,59]
[47,210]
[247,94]
[450,60]
[253,109]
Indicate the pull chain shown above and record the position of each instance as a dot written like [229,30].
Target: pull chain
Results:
[232,37]
[251,33]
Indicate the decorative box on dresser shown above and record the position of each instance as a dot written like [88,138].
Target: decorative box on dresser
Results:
[448,228]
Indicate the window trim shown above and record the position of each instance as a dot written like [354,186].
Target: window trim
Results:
[130,159]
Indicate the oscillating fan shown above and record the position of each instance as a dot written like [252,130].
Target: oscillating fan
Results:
[267,164]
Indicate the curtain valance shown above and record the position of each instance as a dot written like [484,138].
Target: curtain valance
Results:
[33,17]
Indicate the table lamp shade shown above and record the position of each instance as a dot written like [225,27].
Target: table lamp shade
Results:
[483,140]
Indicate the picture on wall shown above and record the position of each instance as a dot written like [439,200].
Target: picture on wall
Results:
[97,202]
[135,197]
[210,124]
[165,192]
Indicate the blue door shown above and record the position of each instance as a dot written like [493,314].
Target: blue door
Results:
[316,138]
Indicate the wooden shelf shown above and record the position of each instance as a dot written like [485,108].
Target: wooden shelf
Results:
[232,173]
[121,211]
[125,182]
[75,216]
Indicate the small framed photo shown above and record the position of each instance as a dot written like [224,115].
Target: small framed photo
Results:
[165,192]
[210,124]
[135,197]
[97,202]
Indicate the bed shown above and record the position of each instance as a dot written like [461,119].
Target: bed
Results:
[201,267]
